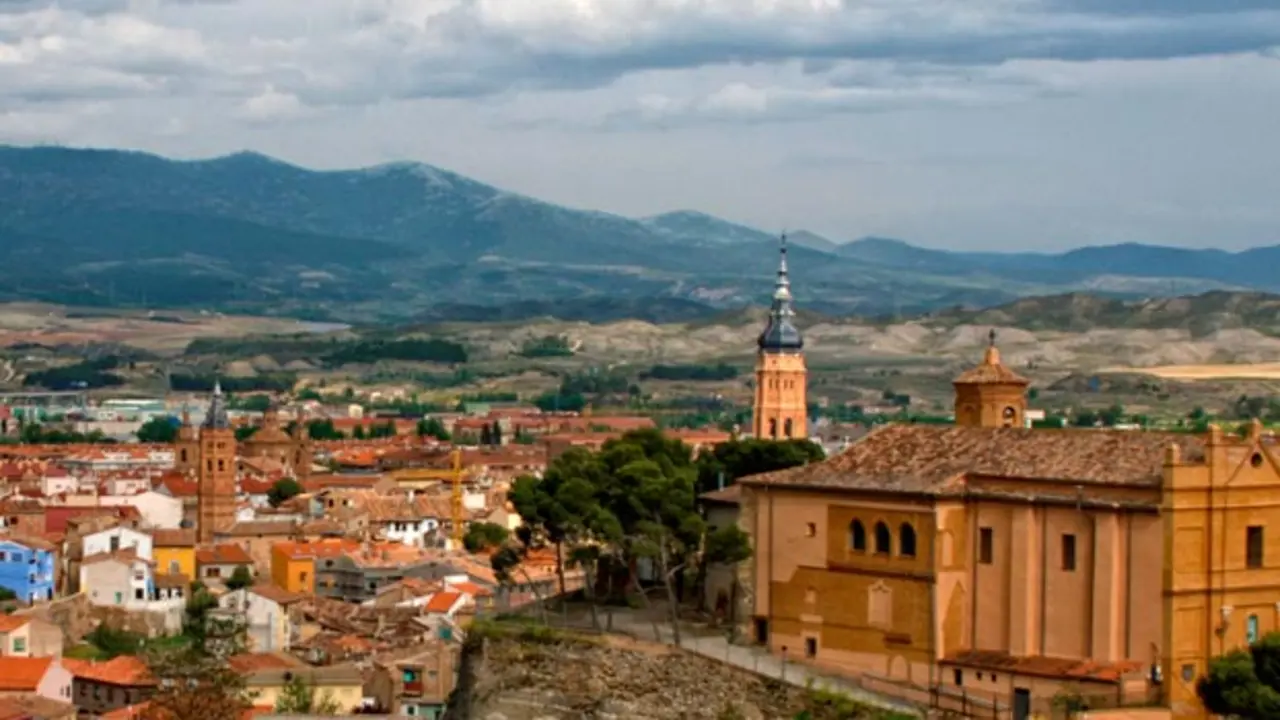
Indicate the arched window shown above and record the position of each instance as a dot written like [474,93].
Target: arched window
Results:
[773,429]
[1010,415]
[907,540]
[883,539]
[786,427]
[184,455]
[857,536]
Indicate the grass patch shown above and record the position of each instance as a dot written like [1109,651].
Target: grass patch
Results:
[823,704]
[85,651]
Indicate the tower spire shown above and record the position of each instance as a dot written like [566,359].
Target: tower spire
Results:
[216,417]
[780,335]
[780,409]
[782,287]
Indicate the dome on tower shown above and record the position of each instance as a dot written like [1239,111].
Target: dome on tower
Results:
[992,371]
[780,333]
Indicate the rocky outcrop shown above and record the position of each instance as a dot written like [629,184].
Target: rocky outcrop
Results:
[536,676]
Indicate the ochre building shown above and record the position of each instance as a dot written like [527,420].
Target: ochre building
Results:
[780,410]
[989,563]
[291,450]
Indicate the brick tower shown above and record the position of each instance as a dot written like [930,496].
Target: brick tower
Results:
[991,395]
[186,447]
[781,408]
[216,510]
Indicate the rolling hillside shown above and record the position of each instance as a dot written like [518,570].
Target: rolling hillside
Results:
[247,232]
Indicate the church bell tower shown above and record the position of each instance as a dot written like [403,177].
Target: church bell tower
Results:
[991,395]
[780,410]
[216,473]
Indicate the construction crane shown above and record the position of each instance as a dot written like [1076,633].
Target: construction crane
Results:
[457,498]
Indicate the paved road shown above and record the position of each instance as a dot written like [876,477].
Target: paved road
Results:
[752,658]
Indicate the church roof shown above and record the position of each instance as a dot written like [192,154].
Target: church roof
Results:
[991,371]
[216,418]
[935,459]
[780,333]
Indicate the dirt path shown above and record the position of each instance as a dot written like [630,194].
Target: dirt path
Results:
[1243,371]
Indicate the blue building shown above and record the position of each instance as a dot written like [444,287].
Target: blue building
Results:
[26,568]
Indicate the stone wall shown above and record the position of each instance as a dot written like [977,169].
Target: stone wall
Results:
[70,614]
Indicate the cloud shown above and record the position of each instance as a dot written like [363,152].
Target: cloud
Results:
[365,51]
[272,106]
[856,113]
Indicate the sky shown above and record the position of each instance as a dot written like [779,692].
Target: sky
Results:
[960,124]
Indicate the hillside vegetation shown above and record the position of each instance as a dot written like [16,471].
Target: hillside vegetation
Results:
[251,234]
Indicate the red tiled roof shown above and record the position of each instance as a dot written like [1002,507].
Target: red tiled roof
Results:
[56,516]
[731,495]
[21,674]
[173,538]
[276,593]
[127,556]
[991,372]
[179,486]
[319,548]
[223,555]
[443,602]
[1047,666]
[246,663]
[121,670]
[9,623]
[938,458]
[471,589]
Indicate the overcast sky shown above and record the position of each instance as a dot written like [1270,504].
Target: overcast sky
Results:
[990,124]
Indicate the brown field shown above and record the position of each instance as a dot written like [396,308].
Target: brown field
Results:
[51,325]
[1246,371]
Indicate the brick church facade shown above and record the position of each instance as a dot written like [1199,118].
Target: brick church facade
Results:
[1008,565]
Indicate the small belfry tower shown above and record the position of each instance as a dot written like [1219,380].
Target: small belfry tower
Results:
[991,395]
[186,447]
[781,407]
[216,473]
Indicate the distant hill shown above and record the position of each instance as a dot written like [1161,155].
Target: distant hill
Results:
[1201,315]
[393,242]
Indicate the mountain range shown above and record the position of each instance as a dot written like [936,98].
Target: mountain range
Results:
[399,241]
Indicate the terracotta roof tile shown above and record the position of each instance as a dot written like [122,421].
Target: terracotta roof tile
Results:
[223,555]
[471,589]
[9,623]
[173,538]
[253,662]
[731,495]
[443,602]
[20,674]
[991,372]
[172,580]
[127,556]
[1049,667]
[935,459]
[121,670]
[276,593]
